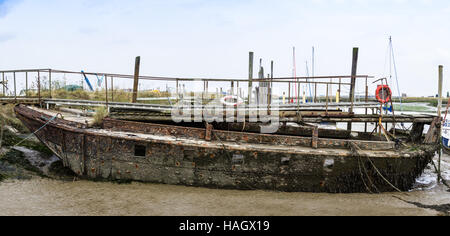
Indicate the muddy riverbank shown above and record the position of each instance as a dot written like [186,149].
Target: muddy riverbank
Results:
[33,182]
[48,196]
[52,197]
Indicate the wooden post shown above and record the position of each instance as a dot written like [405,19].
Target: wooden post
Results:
[106,90]
[207,89]
[289,93]
[232,88]
[3,83]
[271,83]
[326,102]
[339,91]
[315,92]
[353,82]
[250,77]
[137,66]
[26,84]
[178,89]
[50,82]
[367,100]
[39,86]
[15,92]
[112,89]
[441,78]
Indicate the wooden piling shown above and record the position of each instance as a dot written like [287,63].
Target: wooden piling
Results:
[3,83]
[353,82]
[15,92]
[137,66]
[441,78]
[50,82]
[315,92]
[326,102]
[112,89]
[26,84]
[271,82]
[367,100]
[39,86]
[106,91]
[250,77]
[177,89]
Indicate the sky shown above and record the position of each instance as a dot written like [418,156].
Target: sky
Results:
[212,38]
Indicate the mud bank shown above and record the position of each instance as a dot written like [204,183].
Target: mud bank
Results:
[31,159]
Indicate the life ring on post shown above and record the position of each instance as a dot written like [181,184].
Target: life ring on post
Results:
[232,101]
[383,94]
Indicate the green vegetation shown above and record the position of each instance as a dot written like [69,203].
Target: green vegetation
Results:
[431,101]
[8,118]
[411,108]
[100,95]
[100,114]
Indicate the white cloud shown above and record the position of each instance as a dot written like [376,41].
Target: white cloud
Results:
[199,38]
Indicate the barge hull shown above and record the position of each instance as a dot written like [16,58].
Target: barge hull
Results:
[109,154]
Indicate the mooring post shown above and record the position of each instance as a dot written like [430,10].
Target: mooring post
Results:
[338,97]
[50,82]
[271,82]
[15,92]
[26,84]
[177,89]
[315,92]
[3,83]
[39,86]
[326,102]
[353,82]
[207,89]
[106,91]
[137,66]
[441,78]
[112,89]
[367,100]
[250,77]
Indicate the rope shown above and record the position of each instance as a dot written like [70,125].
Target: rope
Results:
[29,136]
[439,174]
[396,75]
[362,177]
[387,181]
[376,169]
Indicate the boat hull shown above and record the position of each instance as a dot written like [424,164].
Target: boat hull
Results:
[109,154]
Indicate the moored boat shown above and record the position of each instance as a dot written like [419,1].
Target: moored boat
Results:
[212,156]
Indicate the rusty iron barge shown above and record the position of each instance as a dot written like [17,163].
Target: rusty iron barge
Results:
[141,142]
[220,156]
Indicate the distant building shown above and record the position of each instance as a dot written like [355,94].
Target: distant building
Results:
[404,95]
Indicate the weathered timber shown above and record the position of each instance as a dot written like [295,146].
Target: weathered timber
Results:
[284,129]
[353,82]
[433,135]
[125,150]
[417,132]
[136,79]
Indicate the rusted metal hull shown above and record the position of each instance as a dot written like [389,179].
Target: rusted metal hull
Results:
[222,159]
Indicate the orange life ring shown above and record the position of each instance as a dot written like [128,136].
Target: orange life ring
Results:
[383,94]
